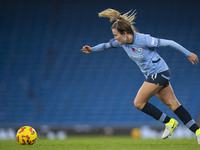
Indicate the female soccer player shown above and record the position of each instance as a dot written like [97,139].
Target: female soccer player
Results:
[141,49]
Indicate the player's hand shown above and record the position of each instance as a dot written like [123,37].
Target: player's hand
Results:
[193,58]
[86,49]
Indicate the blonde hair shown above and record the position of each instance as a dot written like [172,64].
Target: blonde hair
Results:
[123,23]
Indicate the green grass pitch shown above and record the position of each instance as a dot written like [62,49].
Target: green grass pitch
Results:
[103,143]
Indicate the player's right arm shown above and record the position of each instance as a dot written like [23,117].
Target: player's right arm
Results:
[86,49]
[100,47]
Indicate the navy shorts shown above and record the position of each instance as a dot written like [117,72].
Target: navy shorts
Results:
[161,78]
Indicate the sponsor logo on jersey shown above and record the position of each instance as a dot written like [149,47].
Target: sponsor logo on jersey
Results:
[135,57]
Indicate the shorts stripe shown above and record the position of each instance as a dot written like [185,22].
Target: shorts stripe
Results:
[165,77]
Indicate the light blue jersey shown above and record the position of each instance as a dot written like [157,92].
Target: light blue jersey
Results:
[142,51]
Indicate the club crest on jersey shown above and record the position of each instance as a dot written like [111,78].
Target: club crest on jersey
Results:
[140,49]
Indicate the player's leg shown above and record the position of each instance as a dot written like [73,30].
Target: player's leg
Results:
[167,96]
[146,91]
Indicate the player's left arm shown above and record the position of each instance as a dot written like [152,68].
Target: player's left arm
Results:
[193,58]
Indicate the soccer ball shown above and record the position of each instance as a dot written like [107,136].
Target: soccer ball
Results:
[26,135]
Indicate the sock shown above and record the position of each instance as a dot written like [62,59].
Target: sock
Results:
[155,113]
[186,118]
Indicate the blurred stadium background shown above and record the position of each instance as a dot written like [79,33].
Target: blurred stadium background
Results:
[46,82]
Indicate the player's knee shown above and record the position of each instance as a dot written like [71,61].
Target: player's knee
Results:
[138,104]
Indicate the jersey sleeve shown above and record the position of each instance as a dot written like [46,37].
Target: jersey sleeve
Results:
[105,46]
[147,40]
[151,42]
[174,45]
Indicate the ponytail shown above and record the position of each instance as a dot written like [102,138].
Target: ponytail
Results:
[124,23]
[110,13]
